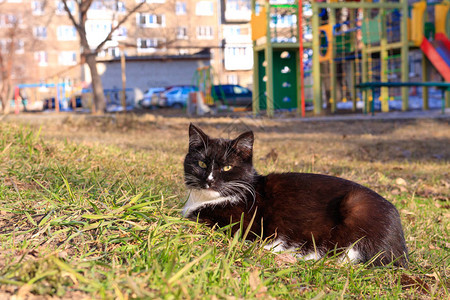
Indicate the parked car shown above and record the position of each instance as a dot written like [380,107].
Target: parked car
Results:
[146,101]
[232,94]
[176,97]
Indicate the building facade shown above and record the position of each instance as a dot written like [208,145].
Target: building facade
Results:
[38,40]
[47,46]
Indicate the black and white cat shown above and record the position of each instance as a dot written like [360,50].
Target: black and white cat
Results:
[310,214]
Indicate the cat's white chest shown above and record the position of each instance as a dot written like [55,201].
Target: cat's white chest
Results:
[199,198]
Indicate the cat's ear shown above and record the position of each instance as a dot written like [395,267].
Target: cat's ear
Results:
[244,143]
[196,137]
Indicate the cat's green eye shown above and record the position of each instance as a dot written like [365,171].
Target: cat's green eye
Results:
[202,164]
[227,168]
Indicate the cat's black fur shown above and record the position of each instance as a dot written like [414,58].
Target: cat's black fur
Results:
[309,212]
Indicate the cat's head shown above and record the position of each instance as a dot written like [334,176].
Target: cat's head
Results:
[217,164]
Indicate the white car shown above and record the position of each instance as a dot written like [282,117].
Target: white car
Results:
[176,97]
[146,102]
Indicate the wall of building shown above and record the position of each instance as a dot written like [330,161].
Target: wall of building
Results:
[151,73]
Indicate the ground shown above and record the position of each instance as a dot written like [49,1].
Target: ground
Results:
[89,206]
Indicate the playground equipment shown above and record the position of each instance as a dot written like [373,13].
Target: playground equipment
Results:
[60,92]
[203,79]
[278,68]
[352,43]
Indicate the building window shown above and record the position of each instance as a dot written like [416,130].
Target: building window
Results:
[60,10]
[98,28]
[97,5]
[108,5]
[40,32]
[180,8]
[150,20]
[283,21]
[238,5]
[151,1]
[238,57]
[205,32]
[231,31]
[67,58]
[238,10]
[204,8]
[41,58]
[182,33]
[66,33]
[121,7]
[3,45]
[147,45]
[19,47]
[38,7]
[120,33]
[9,20]
[110,52]
[232,79]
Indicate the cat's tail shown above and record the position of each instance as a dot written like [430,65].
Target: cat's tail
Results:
[375,223]
[389,247]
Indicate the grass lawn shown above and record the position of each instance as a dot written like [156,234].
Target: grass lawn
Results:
[90,208]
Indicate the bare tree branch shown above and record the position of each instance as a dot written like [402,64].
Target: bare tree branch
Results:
[71,17]
[108,37]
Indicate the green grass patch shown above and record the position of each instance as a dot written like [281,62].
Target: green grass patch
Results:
[104,221]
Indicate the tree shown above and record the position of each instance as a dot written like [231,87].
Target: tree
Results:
[7,53]
[14,36]
[88,54]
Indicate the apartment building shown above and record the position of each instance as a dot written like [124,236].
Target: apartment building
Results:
[237,43]
[47,43]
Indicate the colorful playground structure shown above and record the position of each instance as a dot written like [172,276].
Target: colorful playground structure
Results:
[351,52]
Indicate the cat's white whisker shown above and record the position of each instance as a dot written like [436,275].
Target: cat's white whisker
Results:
[240,188]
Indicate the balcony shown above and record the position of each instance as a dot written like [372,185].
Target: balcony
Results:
[242,15]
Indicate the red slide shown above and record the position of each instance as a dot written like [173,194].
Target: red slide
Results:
[443,38]
[438,53]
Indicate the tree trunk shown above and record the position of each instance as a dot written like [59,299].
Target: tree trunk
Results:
[97,85]
[5,97]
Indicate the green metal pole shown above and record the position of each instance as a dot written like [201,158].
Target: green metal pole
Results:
[425,79]
[384,93]
[373,103]
[256,96]
[317,96]
[364,63]
[298,57]
[269,67]
[447,99]
[333,82]
[353,82]
[353,63]
[405,55]
[365,96]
